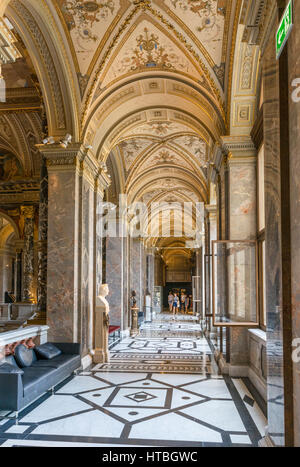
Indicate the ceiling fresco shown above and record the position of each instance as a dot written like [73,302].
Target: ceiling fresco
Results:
[147,47]
[206,19]
[133,148]
[10,167]
[158,129]
[193,145]
[164,156]
[115,29]
[87,22]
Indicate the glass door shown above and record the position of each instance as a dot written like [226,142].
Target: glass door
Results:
[235,283]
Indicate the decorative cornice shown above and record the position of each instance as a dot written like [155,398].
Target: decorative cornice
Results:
[61,158]
[76,158]
[21,99]
[19,198]
[238,145]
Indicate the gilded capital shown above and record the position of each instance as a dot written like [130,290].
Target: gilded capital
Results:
[27,211]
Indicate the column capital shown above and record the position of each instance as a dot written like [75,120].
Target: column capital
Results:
[94,170]
[238,148]
[19,244]
[62,159]
[102,181]
[76,158]
[211,208]
[27,212]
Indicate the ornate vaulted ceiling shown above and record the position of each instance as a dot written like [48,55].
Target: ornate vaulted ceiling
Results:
[148,86]
[178,34]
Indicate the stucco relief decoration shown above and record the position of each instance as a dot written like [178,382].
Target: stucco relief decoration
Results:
[160,128]
[193,145]
[147,197]
[146,48]
[132,148]
[149,52]
[163,157]
[88,22]
[206,18]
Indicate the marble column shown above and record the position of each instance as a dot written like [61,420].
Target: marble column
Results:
[6,256]
[241,224]
[18,272]
[159,270]
[28,257]
[71,264]
[96,250]
[150,270]
[137,270]
[115,261]
[42,243]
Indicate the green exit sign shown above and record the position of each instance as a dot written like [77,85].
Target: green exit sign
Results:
[284,30]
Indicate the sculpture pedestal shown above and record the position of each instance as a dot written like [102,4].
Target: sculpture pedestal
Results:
[134,321]
[101,352]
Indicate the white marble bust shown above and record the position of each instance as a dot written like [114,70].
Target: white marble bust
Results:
[101,353]
[101,301]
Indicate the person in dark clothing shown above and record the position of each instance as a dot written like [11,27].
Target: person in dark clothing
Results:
[8,297]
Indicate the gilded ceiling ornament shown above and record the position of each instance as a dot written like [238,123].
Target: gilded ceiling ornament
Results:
[206,21]
[84,15]
[132,148]
[164,157]
[194,145]
[147,5]
[160,128]
[207,11]
[203,8]
[149,53]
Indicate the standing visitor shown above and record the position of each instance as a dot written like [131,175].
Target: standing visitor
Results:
[175,304]
[182,301]
[191,302]
[186,303]
[170,300]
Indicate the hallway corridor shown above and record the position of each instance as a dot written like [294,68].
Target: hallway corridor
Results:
[161,388]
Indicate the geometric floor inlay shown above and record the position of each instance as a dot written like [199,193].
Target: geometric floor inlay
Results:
[156,391]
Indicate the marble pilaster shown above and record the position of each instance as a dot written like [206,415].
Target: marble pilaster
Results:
[42,243]
[28,257]
[137,270]
[150,270]
[115,259]
[241,224]
[158,270]
[18,272]
[294,116]
[71,268]
[6,258]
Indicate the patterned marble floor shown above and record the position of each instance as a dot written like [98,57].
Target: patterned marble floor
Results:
[154,392]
